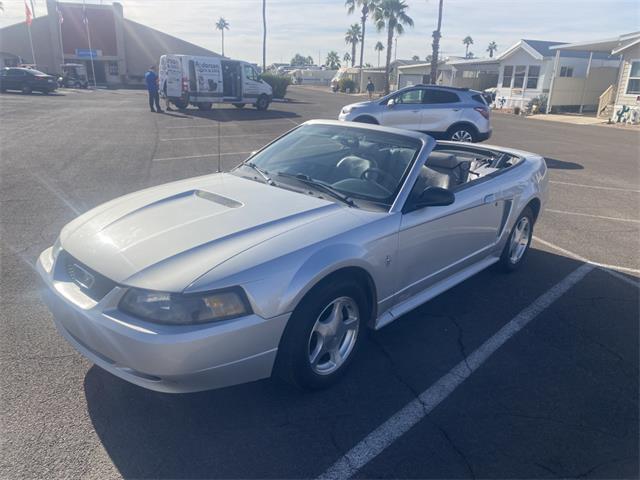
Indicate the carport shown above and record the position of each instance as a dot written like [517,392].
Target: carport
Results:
[598,86]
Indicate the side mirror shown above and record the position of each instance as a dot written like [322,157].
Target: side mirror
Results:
[435,197]
[391,102]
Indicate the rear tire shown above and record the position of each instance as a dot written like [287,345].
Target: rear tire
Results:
[206,106]
[26,90]
[239,105]
[517,245]
[462,133]
[318,346]
[262,103]
[180,104]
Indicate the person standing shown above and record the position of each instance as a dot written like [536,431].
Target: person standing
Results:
[370,88]
[151,79]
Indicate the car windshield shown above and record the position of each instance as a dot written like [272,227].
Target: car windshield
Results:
[356,163]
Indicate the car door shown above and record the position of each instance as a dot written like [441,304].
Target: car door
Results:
[12,80]
[442,108]
[437,242]
[250,83]
[404,110]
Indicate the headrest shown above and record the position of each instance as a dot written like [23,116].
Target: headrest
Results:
[442,160]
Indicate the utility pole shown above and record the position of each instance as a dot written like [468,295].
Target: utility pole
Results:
[395,49]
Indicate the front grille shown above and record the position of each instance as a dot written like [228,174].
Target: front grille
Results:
[90,282]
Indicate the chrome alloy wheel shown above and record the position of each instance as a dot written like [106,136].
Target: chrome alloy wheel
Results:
[334,335]
[519,240]
[462,136]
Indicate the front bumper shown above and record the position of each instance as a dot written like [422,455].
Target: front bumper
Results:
[172,359]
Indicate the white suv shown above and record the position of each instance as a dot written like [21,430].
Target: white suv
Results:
[443,112]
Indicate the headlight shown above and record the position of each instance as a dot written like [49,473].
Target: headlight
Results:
[347,110]
[190,309]
[56,249]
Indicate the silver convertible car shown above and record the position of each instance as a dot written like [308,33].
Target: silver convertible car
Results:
[279,266]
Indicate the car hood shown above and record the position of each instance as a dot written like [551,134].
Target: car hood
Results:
[165,237]
[360,104]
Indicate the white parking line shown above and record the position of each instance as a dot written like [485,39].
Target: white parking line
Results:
[597,187]
[617,219]
[387,433]
[607,268]
[222,136]
[200,156]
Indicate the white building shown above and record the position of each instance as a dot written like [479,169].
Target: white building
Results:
[527,69]
[620,99]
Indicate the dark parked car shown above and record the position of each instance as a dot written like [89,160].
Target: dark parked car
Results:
[26,80]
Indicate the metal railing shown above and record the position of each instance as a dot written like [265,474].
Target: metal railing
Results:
[606,99]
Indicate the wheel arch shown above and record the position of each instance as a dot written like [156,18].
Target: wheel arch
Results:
[463,123]
[366,119]
[535,204]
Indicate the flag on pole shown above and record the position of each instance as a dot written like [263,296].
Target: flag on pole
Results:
[28,14]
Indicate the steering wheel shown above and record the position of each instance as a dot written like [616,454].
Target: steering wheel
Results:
[379,173]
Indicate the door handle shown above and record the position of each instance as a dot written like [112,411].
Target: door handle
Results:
[456,109]
[490,198]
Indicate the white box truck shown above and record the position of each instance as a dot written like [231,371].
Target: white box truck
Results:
[202,81]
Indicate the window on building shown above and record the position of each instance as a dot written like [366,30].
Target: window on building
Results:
[469,74]
[518,78]
[113,69]
[633,85]
[507,75]
[566,71]
[532,77]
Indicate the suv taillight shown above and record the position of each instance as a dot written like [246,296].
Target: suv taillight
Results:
[185,84]
[482,111]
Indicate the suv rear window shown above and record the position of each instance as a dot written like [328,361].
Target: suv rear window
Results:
[441,96]
[478,98]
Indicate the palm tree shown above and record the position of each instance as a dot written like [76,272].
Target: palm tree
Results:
[366,7]
[492,48]
[435,45]
[346,57]
[352,37]
[222,25]
[415,58]
[467,41]
[379,48]
[392,15]
[264,36]
[333,60]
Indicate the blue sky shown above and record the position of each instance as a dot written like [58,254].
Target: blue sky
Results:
[313,27]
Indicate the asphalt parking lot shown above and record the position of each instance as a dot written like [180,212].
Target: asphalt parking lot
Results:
[533,374]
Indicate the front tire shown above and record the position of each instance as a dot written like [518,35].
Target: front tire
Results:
[206,106]
[180,104]
[262,103]
[323,335]
[366,119]
[517,246]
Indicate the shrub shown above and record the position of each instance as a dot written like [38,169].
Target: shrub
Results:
[540,102]
[279,84]
[347,85]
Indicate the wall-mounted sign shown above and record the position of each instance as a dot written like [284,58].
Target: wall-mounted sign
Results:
[86,53]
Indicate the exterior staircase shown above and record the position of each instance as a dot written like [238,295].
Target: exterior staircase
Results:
[606,102]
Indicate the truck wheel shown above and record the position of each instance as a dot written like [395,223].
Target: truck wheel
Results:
[180,104]
[262,103]
[239,105]
[205,106]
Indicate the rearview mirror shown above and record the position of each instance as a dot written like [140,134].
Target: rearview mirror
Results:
[435,197]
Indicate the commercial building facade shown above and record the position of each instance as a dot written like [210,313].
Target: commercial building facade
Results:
[122,49]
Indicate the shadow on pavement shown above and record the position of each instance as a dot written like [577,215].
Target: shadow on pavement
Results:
[224,114]
[562,165]
[268,429]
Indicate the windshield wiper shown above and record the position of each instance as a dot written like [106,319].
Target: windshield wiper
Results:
[306,179]
[262,173]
